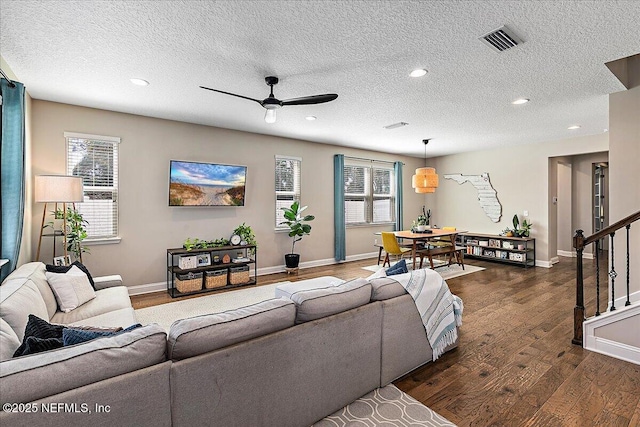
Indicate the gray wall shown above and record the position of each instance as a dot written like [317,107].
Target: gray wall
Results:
[148,226]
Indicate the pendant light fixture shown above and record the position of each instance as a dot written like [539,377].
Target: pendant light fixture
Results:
[425,180]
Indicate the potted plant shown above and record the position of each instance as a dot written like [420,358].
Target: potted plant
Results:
[519,231]
[246,234]
[422,222]
[298,229]
[76,231]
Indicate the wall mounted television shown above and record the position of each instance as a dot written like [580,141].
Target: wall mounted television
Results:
[206,184]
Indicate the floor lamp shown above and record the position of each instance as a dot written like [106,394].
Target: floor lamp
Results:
[57,189]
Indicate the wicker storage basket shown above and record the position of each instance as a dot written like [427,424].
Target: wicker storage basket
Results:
[189,282]
[239,275]
[215,278]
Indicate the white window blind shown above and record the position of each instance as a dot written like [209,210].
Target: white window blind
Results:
[95,159]
[368,192]
[287,184]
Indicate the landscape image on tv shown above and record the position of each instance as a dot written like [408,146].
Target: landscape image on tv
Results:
[206,184]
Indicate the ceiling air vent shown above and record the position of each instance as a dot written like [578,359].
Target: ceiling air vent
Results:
[501,39]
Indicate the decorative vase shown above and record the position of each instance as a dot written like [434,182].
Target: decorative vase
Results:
[292,260]
[420,227]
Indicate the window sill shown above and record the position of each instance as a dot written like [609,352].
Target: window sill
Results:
[282,230]
[371,224]
[103,241]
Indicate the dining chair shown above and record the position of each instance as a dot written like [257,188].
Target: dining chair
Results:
[391,247]
[444,240]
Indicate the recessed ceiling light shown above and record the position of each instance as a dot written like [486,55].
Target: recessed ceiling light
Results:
[418,72]
[520,101]
[311,118]
[606,130]
[574,127]
[139,82]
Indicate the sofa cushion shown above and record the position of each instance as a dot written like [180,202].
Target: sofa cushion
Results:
[106,300]
[65,268]
[72,289]
[71,367]
[35,272]
[386,288]
[112,319]
[316,303]
[202,334]
[19,298]
[9,341]
[381,272]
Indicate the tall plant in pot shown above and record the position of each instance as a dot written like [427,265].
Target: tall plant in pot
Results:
[298,229]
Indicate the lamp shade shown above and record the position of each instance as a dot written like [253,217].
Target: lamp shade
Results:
[425,180]
[58,188]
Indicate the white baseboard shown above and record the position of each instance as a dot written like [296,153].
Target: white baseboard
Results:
[545,264]
[574,254]
[162,286]
[606,346]
[147,288]
[615,349]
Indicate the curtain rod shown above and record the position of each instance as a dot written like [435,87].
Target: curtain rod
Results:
[369,160]
[7,78]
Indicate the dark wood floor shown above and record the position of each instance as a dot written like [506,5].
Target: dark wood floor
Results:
[515,365]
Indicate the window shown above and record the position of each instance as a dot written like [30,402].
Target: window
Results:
[287,185]
[368,192]
[95,159]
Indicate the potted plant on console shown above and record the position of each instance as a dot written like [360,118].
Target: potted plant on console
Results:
[298,229]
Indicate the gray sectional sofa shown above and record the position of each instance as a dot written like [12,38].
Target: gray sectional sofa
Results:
[282,362]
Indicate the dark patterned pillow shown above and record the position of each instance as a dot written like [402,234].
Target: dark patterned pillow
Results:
[65,268]
[72,336]
[33,345]
[41,330]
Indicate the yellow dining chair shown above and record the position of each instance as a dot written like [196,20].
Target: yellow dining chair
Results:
[391,247]
[445,240]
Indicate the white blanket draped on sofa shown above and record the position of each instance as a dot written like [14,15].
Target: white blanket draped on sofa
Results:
[441,311]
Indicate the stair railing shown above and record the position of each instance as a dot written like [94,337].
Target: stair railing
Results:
[579,243]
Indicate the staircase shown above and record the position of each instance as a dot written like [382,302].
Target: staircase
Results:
[615,331]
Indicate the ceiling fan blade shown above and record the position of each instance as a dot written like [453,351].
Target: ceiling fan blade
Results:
[232,94]
[307,100]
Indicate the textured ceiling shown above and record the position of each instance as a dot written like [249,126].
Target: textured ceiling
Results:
[85,52]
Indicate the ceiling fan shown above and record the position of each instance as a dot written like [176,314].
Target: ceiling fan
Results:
[272,103]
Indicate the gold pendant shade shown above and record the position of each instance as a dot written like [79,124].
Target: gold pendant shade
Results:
[425,180]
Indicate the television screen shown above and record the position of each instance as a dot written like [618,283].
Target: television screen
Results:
[206,184]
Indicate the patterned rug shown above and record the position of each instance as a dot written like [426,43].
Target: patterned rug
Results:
[385,407]
[446,272]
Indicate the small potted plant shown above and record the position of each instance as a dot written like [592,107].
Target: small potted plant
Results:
[298,229]
[422,222]
[519,231]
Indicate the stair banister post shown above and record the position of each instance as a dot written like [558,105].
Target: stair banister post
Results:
[578,311]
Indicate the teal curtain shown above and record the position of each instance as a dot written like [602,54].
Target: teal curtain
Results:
[338,208]
[397,168]
[11,172]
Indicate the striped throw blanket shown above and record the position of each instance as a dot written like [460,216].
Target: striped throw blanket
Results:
[441,311]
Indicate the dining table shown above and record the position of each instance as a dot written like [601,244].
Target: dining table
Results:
[424,236]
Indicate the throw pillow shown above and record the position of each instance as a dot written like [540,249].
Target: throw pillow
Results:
[65,268]
[40,329]
[398,268]
[72,336]
[33,345]
[71,289]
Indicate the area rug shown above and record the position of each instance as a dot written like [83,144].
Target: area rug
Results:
[447,272]
[165,314]
[387,406]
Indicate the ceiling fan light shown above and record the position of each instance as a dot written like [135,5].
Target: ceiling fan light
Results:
[270,115]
